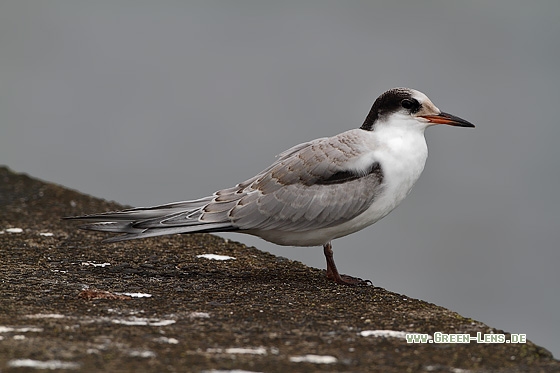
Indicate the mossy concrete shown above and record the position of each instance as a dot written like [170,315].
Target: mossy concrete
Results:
[253,313]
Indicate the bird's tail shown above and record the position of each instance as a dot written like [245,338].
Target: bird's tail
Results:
[141,222]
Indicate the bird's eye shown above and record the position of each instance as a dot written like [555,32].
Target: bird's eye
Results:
[407,104]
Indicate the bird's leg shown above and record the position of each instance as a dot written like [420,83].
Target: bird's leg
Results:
[332,271]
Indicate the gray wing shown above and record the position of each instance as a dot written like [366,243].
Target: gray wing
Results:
[310,186]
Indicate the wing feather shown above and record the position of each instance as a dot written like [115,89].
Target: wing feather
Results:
[313,185]
[295,194]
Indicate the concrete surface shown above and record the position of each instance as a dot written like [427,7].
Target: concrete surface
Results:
[68,302]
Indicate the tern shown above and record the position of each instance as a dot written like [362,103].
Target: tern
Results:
[315,192]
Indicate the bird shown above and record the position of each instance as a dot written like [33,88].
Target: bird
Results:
[314,192]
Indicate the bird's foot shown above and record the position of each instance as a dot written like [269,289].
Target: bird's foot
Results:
[348,280]
[332,271]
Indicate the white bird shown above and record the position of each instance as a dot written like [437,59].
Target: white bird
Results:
[314,192]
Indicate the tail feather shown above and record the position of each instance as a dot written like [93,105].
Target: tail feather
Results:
[144,213]
[141,222]
[207,228]
[112,226]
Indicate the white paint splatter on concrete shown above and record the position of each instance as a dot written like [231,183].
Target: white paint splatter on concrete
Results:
[215,257]
[143,321]
[144,354]
[37,364]
[171,341]
[199,315]
[137,295]
[386,334]
[45,316]
[238,350]
[246,350]
[9,329]
[459,370]
[314,359]
[435,368]
[95,264]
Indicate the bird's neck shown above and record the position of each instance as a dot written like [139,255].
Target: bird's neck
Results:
[404,148]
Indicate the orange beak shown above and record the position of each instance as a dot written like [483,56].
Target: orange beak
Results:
[445,118]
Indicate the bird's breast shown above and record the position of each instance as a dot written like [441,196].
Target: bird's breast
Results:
[402,160]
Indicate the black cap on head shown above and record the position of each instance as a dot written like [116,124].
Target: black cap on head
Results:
[390,102]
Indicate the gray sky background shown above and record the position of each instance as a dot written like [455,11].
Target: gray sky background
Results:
[153,102]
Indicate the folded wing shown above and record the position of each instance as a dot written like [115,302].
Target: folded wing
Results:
[312,185]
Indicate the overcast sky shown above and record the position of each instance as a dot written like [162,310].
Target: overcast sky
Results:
[153,102]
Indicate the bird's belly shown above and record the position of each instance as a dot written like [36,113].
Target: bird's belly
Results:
[320,236]
[390,198]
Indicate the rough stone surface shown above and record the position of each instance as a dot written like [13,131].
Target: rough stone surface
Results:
[62,305]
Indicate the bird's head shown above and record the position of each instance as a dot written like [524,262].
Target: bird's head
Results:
[408,107]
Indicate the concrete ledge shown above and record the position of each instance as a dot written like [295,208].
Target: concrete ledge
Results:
[69,302]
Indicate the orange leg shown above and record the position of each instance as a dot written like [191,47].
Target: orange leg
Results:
[332,271]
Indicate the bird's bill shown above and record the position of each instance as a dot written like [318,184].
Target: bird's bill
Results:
[445,118]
